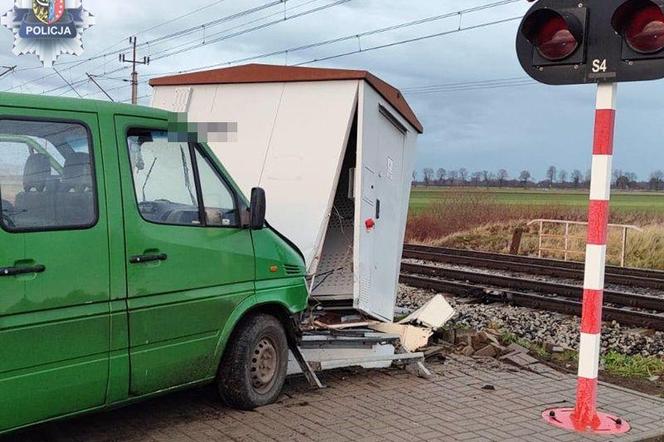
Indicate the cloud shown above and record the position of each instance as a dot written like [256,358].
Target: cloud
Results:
[525,127]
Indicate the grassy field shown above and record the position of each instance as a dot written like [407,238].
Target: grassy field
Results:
[485,219]
[423,198]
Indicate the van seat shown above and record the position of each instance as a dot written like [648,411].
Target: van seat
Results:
[74,202]
[35,206]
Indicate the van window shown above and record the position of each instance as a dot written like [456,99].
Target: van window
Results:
[219,203]
[163,179]
[46,176]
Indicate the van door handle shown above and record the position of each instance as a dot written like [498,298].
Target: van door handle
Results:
[141,259]
[15,271]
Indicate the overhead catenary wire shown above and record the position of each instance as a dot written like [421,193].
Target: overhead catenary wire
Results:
[252,29]
[77,63]
[340,39]
[410,40]
[470,86]
[364,34]
[453,87]
[249,30]
[207,37]
[300,14]
[68,83]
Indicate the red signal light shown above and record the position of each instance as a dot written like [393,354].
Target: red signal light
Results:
[643,29]
[555,40]
[556,35]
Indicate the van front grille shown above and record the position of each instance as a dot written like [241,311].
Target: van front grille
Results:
[292,269]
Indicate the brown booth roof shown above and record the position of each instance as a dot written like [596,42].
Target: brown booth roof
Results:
[263,73]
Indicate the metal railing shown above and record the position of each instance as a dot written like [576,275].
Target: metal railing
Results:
[568,238]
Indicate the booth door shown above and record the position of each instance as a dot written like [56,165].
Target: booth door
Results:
[382,187]
[389,188]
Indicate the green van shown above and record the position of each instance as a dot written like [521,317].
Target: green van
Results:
[131,265]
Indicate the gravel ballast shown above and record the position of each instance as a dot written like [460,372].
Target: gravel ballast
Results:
[536,325]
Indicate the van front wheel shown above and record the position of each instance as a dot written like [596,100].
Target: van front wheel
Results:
[255,363]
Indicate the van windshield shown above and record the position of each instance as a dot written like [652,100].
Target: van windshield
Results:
[163,178]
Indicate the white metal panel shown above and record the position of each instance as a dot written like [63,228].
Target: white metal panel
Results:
[291,141]
[386,152]
[255,114]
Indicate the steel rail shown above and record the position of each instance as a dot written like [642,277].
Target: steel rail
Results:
[644,302]
[530,300]
[631,271]
[545,267]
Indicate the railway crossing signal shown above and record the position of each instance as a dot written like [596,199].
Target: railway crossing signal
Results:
[592,41]
[564,42]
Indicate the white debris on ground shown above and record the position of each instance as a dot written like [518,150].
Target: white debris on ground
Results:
[537,326]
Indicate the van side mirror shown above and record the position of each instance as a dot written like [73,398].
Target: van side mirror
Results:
[257,209]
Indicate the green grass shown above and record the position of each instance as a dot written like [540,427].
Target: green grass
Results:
[617,364]
[422,198]
[633,366]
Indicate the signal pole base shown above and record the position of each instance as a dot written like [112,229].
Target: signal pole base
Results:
[602,424]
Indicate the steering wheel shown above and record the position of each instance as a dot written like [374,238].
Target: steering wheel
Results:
[7,207]
[7,219]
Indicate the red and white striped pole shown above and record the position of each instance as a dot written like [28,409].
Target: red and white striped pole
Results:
[584,416]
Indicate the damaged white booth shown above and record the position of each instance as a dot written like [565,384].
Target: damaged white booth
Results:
[333,149]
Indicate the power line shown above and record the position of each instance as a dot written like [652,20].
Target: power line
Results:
[470,85]
[255,28]
[92,78]
[68,83]
[206,37]
[103,54]
[163,38]
[189,14]
[373,32]
[363,34]
[410,40]
[252,29]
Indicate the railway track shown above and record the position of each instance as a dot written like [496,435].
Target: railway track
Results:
[624,276]
[626,308]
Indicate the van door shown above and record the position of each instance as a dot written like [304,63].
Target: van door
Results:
[189,262]
[54,266]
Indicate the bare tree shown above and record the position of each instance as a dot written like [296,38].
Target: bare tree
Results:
[428,176]
[617,174]
[562,176]
[577,176]
[441,174]
[623,182]
[502,176]
[551,174]
[486,176]
[415,178]
[463,175]
[525,177]
[656,179]
[453,175]
[476,177]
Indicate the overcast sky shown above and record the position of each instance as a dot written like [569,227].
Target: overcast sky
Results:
[516,127]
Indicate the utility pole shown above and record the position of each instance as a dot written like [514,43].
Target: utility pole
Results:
[134,73]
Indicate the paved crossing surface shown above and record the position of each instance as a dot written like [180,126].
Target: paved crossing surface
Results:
[468,400]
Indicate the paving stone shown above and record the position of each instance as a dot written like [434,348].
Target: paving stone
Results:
[372,405]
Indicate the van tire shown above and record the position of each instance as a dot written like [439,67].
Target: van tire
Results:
[253,369]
